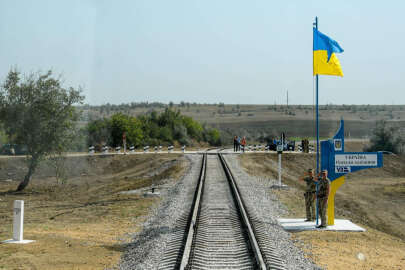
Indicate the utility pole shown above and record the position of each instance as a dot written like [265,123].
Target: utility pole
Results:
[287,99]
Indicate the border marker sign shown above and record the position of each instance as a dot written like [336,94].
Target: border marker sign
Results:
[339,163]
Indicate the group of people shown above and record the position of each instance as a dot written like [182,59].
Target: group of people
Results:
[317,190]
[239,144]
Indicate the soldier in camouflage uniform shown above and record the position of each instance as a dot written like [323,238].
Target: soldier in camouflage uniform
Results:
[310,195]
[322,196]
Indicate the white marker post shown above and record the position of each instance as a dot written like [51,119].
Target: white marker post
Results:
[18,224]
[279,151]
[280,148]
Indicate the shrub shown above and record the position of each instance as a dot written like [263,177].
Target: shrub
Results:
[152,128]
[213,137]
[385,138]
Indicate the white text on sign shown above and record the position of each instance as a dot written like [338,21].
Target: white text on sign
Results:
[369,160]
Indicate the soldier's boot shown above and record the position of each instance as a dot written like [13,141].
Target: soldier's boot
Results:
[323,215]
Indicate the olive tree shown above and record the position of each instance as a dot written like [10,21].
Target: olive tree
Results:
[38,112]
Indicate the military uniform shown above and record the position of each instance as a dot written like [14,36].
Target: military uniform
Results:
[323,194]
[310,197]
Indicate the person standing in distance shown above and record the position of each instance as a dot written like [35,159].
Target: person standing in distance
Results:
[243,142]
[322,196]
[309,195]
[235,143]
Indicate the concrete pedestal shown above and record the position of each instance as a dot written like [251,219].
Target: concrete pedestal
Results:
[299,224]
[12,241]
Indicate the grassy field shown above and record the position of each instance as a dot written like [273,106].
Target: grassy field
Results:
[84,222]
[373,198]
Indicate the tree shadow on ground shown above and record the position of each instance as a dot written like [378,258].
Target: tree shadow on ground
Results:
[116,247]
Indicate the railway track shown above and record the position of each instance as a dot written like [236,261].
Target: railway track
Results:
[218,232]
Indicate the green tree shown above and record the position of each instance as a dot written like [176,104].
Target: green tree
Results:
[194,129]
[38,112]
[385,138]
[99,132]
[166,134]
[134,133]
[213,137]
[121,123]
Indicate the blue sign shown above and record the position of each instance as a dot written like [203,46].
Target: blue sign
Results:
[339,163]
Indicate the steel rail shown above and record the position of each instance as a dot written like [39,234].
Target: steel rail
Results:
[245,219]
[196,207]
[254,246]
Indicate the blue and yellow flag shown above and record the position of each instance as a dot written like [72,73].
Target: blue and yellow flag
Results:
[325,60]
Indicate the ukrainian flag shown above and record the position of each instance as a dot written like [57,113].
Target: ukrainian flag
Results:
[325,60]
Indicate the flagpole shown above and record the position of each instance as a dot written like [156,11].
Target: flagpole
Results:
[317,133]
[317,113]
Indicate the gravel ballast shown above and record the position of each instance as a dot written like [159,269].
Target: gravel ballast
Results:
[149,245]
[264,205]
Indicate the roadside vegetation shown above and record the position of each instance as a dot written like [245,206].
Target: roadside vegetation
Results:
[40,117]
[154,128]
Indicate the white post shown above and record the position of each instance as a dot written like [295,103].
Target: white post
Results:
[18,224]
[279,169]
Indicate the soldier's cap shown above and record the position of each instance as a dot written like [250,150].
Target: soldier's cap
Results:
[310,170]
[324,171]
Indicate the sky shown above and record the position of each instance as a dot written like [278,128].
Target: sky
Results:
[236,52]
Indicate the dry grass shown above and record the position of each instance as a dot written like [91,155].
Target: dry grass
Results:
[339,250]
[84,224]
[374,199]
